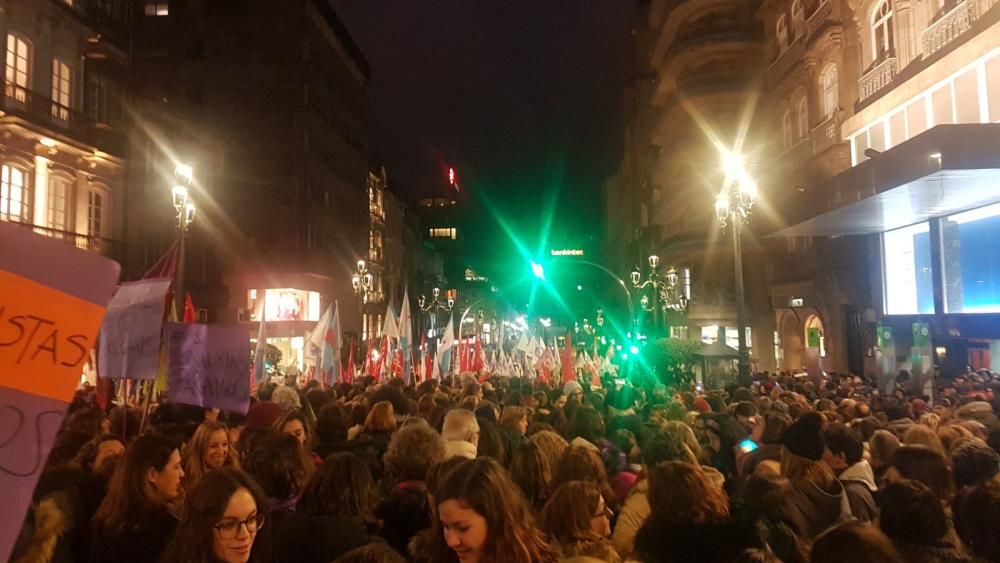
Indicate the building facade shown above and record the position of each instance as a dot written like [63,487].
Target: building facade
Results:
[61,135]
[281,87]
[894,208]
[693,92]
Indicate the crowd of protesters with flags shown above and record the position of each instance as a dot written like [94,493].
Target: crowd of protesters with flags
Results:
[533,452]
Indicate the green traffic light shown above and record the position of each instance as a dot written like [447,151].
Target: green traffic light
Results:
[633,349]
[538,270]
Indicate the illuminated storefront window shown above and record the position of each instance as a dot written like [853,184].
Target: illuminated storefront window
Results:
[710,334]
[971,256]
[285,304]
[907,271]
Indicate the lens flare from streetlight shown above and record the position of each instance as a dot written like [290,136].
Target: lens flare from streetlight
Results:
[732,164]
[184,172]
[538,270]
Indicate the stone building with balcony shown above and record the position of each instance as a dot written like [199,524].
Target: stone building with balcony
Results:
[694,91]
[812,51]
[61,140]
[907,219]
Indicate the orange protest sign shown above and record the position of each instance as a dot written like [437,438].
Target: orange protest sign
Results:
[45,337]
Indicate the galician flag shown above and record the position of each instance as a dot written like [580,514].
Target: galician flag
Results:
[406,336]
[326,340]
[442,360]
[390,330]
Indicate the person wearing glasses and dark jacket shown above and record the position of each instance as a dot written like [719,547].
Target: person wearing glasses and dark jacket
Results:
[221,521]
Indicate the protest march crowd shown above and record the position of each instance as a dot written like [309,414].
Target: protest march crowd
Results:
[523,470]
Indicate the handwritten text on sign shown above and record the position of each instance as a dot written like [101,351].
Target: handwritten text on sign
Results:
[130,334]
[208,366]
[45,337]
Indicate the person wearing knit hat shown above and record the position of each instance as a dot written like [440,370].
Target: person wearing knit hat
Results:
[263,415]
[819,501]
[571,387]
[804,437]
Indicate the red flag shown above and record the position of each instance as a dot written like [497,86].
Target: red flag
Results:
[368,358]
[190,315]
[463,357]
[349,374]
[477,358]
[568,360]
[381,359]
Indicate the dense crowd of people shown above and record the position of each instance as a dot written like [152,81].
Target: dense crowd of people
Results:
[518,470]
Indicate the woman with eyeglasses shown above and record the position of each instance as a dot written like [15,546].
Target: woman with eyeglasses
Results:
[221,520]
[579,521]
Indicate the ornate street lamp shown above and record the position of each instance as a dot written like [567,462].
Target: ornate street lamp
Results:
[732,208]
[185,210]
[668,294]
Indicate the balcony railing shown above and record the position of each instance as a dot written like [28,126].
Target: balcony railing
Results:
[819,17]
[98,245]
[878,77]
[30,105]
[826,134]
[949,25]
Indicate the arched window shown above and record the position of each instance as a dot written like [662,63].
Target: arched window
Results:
[18,67]
[802,118]
[798,20]
[15,198]
[786,129]
[882,40]
[828,86]
[782,33]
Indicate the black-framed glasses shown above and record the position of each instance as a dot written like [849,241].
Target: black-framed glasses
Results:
[606,513]
[230,527]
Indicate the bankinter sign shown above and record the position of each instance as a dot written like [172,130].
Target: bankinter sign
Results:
[567,252]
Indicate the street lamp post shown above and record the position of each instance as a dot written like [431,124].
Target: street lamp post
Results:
[431,308]
[185,209]
[732,207]
[362,282]
[667,294]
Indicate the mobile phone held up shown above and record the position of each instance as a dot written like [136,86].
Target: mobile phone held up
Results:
[747,446]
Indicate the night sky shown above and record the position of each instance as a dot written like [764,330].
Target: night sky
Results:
[522,96]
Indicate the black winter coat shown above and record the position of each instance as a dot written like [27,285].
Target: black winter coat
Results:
[664,542]
[143,543]
[316,538]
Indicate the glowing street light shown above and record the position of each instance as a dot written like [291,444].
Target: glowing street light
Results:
[185,212]
[733,206]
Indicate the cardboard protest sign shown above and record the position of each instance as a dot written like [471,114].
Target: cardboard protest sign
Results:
[208,366]
[52,299]
[130,333]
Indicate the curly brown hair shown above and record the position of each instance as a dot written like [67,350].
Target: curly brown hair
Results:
[413,449]
[681,493]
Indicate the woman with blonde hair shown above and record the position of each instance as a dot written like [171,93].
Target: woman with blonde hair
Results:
[920,435]
[551,444]
[484,518]
[515,419]
[209,449]
[579,521]
[819,500]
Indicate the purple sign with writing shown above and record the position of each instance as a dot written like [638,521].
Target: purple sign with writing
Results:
[130,334]
[208,366]
[52,298]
